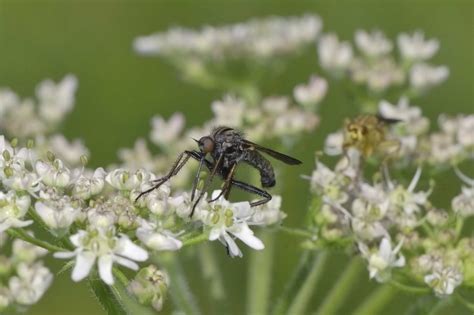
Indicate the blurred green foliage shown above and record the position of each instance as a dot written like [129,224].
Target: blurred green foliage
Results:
[120,91]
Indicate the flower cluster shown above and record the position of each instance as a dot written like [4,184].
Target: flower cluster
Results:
[257,38]
[232,57]
[374,66]
[415,144]
[393,224]
[39,118]
[24,278]
[97,219]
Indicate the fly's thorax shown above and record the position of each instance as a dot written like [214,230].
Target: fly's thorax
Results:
[228,144]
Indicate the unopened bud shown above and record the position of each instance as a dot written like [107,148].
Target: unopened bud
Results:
[50,155]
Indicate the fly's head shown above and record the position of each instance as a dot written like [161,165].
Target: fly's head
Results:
[206,145]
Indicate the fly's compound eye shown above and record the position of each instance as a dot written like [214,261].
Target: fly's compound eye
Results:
[206,145]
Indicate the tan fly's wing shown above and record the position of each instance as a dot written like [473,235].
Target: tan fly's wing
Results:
[274,154]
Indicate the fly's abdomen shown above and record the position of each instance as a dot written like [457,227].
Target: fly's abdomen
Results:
[267,175]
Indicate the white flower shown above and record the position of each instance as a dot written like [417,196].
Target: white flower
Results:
[378,75]
[416,47]
[311,94]
[13,172]
[125,180]
[86,187]
[333,54]
[465,131]
[8,101]
[444,280]
[54,174]
[382,262]
[13,208]
[183,205]
[26,252]
[227,219]
[5,298]
[157,201]
[229,111]
[373,44]
[58,213]
[56,100]
[412,120]
[405,199]
[331,185]
[334,143]
[30,284]
[463,204]
[105,247]
[165,132]
[294,122]
[443,148]
[70,152]
[368,210]
[157,238]
[424,76]
[137,157]
[268,213]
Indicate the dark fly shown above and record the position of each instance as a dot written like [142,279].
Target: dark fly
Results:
[226,148]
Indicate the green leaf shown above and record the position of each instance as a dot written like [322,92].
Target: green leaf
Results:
[116,300]
[106,297]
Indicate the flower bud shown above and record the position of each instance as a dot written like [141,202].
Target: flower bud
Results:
[150,286]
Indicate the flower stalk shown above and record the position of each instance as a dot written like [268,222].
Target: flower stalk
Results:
[341,288]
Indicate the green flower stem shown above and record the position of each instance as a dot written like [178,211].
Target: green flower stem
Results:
[299,274]
[21,234]
[439,307]
[211,272]
[408,288]
[306,291]
[196,240]
[377,300]
[339,292]
[296,232]
[180,292]
[260,274]
[464,301]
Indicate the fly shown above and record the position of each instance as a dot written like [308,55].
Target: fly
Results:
[226,148]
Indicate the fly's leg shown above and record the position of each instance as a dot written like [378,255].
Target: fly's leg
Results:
[252,189]
[207,183]
[177,166]
[227,184]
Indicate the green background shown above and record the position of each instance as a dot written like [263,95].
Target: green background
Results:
[120,91]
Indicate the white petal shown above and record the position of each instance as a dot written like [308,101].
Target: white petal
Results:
[400,262]
[214,234]
[20,224]
[84,263]
[245,234]
[130,250]
[215,193]
[105,269]
[126,262]
[76,238]
[385,249]
[415,180]
[234,250]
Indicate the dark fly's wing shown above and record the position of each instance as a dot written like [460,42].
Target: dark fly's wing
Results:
[388,121]
[277,155]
